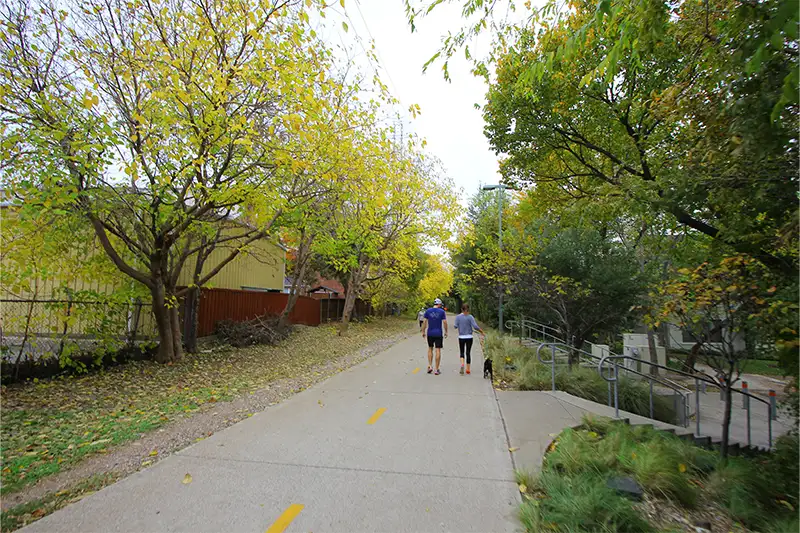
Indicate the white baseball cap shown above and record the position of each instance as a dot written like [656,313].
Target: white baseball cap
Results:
[437,301]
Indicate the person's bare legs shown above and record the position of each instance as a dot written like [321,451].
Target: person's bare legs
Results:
[438,357]
[430,357]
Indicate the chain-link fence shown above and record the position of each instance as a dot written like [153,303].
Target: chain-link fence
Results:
[31,330]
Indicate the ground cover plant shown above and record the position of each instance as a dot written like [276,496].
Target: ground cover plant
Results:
[572,493]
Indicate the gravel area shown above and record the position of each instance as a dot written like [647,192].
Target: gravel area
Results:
[129,458]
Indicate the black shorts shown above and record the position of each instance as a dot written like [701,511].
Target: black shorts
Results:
[435,342]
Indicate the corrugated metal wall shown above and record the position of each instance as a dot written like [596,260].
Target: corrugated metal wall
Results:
[261,267]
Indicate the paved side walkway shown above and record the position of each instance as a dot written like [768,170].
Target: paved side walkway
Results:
[534,418]
[381,447]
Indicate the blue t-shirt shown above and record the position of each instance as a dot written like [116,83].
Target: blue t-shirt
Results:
[435,316]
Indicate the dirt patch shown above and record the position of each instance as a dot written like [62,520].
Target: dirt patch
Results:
[707,517]
[176,435]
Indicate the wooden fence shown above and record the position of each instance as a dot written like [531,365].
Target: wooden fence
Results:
[238,305]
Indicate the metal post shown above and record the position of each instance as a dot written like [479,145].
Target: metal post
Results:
[697,403]
[675,404]
[651,399]
[553,365]
[616,390]
[773,405]
[609,393]
[745,397]
[748,421]
[500,239]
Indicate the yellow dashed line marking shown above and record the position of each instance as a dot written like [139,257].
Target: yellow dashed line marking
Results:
[415,370]
[374,418]
[283,521]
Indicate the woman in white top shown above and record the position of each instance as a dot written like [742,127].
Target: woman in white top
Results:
[421,316]
[465,324]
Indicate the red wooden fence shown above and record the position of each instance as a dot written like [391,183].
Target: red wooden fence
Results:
[231,304]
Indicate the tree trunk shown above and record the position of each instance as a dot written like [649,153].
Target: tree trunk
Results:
[190,319]
[166,334]
[691,359]
[175,323]
[349,303]
[726,419]
[571,354]
[651,345]
[298,274]
[663,335]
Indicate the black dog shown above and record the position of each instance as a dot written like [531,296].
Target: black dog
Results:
[487,369]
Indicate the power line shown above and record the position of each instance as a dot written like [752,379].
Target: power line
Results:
[377,49]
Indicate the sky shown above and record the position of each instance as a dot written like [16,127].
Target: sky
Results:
[449,121]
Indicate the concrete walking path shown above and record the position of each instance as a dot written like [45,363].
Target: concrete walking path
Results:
[383,447]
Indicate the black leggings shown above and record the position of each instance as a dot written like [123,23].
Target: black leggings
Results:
[465,343]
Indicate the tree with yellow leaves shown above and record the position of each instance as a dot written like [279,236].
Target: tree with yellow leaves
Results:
[156,120]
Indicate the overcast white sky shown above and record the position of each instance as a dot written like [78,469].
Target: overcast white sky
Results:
[449,121]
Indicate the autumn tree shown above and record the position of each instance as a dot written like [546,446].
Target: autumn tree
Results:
[395,200]
[735,298]
[156,120]
[325,159]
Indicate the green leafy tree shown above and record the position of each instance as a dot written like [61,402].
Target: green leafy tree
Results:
[673,106]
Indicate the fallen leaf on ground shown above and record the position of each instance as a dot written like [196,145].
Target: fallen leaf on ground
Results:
[153,453]
[187,479]
[513,449]
[146,463]
[523,488]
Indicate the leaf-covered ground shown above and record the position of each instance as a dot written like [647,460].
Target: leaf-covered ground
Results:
[50,425]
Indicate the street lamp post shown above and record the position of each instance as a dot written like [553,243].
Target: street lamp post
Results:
[500,188]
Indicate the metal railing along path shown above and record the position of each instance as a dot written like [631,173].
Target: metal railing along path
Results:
[608,367]
[526,329]
[771,403]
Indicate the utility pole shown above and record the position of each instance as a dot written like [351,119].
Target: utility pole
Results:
[500,188]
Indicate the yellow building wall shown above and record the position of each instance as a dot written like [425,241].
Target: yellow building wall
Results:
[262,266]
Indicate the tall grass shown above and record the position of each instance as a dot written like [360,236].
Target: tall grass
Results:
[634,395]
[571,493]
[580,503]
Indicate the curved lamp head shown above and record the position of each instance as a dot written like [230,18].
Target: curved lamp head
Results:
[496,186]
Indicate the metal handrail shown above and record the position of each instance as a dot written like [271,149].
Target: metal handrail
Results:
[544,329]
[557,344]
[698,377]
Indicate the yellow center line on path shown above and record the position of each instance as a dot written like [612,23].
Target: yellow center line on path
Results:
[374,418]
[283,521]
[415,370]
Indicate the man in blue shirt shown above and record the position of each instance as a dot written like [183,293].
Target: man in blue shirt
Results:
[435,328]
